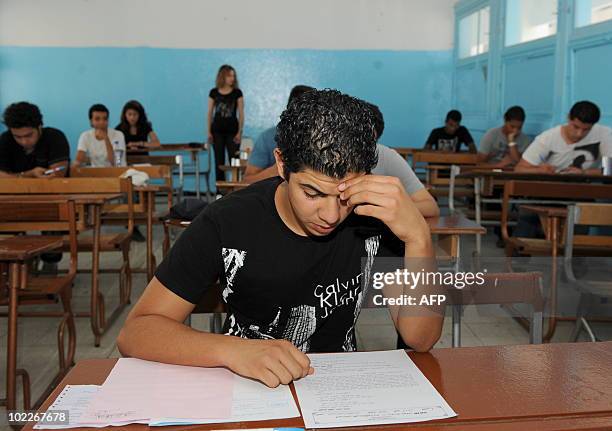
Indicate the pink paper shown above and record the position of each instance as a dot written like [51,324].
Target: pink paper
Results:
[137,390]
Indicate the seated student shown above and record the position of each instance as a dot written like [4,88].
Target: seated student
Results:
[502,146]
[261,164]
[573,148]
[390,163]
[280,247]
[451,136]
[101,146]
[28,149]
[137,129]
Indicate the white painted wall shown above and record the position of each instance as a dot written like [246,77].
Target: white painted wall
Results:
[280,24]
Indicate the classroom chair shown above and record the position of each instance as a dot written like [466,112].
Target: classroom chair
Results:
[22,288]
[592,292]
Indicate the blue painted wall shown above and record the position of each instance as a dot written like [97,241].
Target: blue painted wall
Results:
[412,88]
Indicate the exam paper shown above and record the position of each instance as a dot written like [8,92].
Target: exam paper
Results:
[367,388]
[76,400]
[252,401]
[138,390]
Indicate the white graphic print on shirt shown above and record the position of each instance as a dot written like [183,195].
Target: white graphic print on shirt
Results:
[233,260]
[298,324]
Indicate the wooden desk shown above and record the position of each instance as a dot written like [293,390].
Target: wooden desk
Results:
[16,252]
[194,150]
[552,224]
[547,387]
[485,179]
[94,201]
[406,152]
[231,186]
[149,193]
[449,230]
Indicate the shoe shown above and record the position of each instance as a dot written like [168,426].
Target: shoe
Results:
[137,235]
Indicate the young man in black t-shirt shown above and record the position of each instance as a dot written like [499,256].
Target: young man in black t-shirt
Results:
[29,150]
[451,136]
[288,252]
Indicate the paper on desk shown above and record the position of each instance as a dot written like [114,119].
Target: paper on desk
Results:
[253,401]
[137,390]
[74,399]
[367,388]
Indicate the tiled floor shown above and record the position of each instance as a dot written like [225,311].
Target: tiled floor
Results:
[482,325]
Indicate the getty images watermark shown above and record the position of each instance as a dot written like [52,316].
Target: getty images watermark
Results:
[410,283]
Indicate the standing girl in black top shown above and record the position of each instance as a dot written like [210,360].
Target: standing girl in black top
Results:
[225,116]
[137,129]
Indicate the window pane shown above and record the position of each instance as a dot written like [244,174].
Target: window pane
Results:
[483,38]
[530,20]
[592,11]
[468,36]
[474,33]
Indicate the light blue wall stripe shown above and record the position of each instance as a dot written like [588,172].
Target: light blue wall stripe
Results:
[412,88]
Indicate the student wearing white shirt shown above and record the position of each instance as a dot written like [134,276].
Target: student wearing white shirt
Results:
[573,148]
[100,146]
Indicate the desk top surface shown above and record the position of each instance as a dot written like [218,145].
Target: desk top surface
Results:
[24,247]
[545,387]
[511,175]
[454,224]
[78,198]
[178,147]
[548,211]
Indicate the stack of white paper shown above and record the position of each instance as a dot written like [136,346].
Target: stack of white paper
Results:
[367,388]
[138,391]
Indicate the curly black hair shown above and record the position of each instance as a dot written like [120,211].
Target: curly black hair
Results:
[22,114]
[328,132]
[379,120]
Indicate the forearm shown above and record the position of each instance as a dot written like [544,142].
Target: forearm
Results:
[528,168]
[420,326]
[269,172]
[161,339]
[4,174]
[592,171]
[428,207]
[241,122]
[514,154]
[110,154]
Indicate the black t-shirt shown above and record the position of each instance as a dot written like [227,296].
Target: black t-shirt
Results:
[142,135]
[51,148]
[277,284]
[225,118]
[439,139]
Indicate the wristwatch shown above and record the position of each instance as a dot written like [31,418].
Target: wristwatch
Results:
[511,144]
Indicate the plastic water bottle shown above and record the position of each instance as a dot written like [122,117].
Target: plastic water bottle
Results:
[118,154]
[606,165]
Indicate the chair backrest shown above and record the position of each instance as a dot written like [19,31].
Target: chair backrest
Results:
[171,161]
[588,214]
[74,186]
[441,157]
[64,185]
[549,189]
[154,172]
[36,216]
